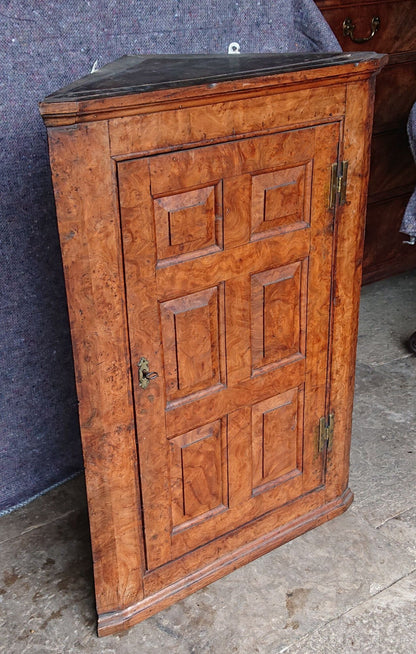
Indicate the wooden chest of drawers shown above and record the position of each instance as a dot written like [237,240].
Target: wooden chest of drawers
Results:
[212,264]
[393,171]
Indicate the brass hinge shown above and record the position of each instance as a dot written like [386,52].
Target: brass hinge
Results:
[338,188]
[326,432]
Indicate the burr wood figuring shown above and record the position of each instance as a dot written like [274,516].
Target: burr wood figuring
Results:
[211,216]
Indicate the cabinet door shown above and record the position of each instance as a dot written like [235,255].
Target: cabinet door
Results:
[228,261]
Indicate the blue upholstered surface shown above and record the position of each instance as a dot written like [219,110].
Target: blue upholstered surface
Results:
[46,45]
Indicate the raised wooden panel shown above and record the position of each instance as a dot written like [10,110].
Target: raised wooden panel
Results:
[189,222]
[278,318]
[193,342]
[198,473]
[277,426]
[280,201]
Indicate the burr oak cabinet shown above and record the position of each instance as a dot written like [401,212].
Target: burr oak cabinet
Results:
[211,215]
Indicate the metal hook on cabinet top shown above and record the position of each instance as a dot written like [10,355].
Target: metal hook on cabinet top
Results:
[234,48]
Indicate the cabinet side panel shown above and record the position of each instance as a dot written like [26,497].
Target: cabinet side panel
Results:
[350,220]
[90,240]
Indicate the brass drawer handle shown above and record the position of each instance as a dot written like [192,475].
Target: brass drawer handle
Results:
[349,27]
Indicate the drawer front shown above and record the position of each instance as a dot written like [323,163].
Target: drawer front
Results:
[396,32]
[384,251]
[392,165]
[396,93]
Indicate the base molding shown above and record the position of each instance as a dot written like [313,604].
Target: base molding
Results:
[110,623]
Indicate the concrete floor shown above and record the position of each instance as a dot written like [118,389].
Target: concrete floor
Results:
[348,586]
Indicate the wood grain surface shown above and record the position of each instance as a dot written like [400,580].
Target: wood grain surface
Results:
[209,248]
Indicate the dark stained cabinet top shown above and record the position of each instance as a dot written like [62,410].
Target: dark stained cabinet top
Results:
[133,74]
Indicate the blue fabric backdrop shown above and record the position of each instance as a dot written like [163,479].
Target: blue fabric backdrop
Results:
[46,45]
[408,225]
